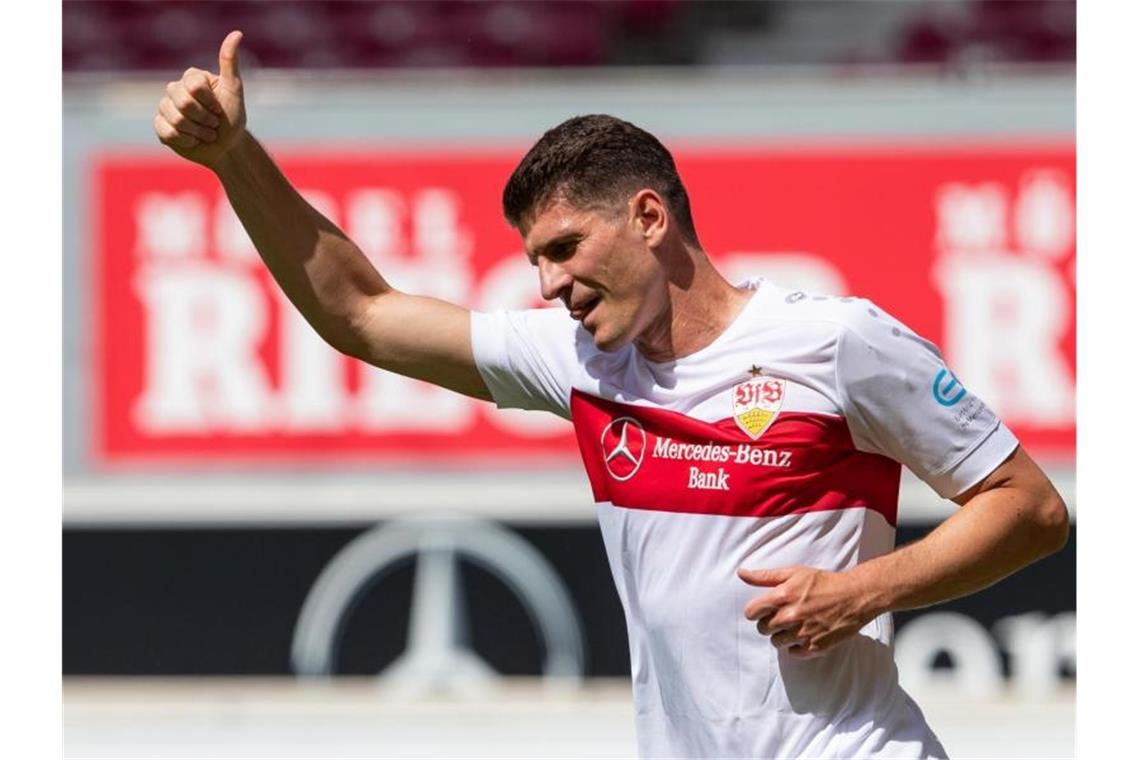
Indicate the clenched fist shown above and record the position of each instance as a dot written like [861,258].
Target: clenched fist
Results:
[202,115]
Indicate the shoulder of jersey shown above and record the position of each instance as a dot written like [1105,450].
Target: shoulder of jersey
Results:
[553,326]
[778,302]
[556,324]
[553,318]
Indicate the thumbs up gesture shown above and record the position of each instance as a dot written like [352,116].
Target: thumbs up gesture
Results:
[202,114]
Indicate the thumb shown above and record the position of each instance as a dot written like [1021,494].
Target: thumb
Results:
[765,577]
[228,59]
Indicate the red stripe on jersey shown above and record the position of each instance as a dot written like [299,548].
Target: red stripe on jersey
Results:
[641,457]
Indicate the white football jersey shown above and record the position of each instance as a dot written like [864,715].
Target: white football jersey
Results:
[777,444]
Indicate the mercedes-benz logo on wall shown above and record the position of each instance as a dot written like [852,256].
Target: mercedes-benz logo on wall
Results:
[438,656]
[623,446]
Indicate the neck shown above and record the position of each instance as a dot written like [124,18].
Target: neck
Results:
[697,312]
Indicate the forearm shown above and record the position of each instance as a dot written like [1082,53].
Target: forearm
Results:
[322,272]
[996,533]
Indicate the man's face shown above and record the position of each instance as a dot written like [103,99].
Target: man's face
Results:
[600,266]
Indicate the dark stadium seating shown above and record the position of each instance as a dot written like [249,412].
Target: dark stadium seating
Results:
[104,35]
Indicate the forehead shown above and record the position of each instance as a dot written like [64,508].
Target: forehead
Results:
[557,219]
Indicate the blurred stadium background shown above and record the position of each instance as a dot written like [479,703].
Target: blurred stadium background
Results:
[254,527]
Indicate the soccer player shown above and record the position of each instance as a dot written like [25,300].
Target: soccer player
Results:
[743,442]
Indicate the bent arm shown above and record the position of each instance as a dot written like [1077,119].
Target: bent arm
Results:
[331,282]
[1012,518]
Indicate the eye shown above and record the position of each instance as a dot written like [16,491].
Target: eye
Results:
[562,251]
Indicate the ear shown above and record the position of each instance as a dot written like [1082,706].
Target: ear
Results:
[649,216]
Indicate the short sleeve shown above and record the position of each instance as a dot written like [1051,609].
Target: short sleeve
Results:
[527,358]
[902,401]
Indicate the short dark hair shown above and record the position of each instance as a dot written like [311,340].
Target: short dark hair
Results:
[595,160]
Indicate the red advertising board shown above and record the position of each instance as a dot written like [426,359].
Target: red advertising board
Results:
[199,358]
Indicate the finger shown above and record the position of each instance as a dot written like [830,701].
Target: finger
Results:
[804,651]
[774,624]
[188,106]
[178,120]
[785,639]
[168,135]
[763,625]
[763,606]
[197,83]
[228,63]
[779,622]
[765,577]
[828,640]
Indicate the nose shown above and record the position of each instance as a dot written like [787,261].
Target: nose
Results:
[552,279]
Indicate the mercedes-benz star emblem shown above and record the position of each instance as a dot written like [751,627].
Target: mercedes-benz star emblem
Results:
[439,654]
[623,446]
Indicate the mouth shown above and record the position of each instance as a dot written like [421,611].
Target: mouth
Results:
[580,311]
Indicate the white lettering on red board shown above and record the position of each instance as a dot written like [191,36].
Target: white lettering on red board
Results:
[202,370]
[1001,269]
[1007,303]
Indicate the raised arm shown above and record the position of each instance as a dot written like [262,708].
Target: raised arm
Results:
[326,276]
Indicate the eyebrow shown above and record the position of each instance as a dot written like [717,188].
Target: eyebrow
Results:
[565,237]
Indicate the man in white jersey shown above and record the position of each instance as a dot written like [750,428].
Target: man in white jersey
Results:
[735,437]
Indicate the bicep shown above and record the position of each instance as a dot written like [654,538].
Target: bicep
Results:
[1018,493]
[1017,466]
[423,338]
[1018,471]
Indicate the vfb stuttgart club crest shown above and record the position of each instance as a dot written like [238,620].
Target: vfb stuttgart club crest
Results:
[756,402]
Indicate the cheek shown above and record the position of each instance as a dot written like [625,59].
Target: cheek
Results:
[630,273]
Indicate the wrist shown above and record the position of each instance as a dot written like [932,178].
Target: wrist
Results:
[229,160]
[875,594]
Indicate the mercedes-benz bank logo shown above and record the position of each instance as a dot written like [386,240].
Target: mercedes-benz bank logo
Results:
[623,446]
[438,656]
